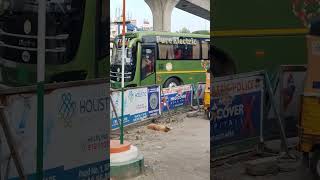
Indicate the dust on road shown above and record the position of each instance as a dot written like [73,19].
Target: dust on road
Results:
[183,153]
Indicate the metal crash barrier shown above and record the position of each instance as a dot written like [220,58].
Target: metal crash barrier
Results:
[249,112]
[143,103]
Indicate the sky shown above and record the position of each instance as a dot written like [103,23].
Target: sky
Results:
[139,10]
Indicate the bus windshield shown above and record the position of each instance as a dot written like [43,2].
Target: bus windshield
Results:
[117,52]
[61,6]
[116,61]
[18,30]
[117,56]
[76,40]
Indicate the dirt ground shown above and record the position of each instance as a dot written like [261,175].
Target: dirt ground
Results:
[183,153]
[295,171]
[290,169]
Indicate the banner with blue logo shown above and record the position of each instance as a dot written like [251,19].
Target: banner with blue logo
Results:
[139,104]
[154,101]
[76,139]
[237,105]
[175,97]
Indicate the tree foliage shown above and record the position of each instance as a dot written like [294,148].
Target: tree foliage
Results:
[184,30]
[206,32]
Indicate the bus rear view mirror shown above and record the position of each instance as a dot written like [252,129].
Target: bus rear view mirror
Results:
[129,53]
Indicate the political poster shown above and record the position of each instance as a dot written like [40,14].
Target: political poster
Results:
[237,105]
[287,95]
[175,97]
[198,92]
[76,139]
[292,86]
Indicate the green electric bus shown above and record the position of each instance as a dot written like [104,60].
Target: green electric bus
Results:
[77,43]
[164,58]
[257,35]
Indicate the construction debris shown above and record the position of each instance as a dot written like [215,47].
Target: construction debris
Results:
[196,113]
[158,127]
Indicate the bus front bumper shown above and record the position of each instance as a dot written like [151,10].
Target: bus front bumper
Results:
[117,85]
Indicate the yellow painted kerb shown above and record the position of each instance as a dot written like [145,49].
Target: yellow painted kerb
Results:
[259,32]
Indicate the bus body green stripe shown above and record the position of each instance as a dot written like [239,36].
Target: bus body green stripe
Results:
[180,72]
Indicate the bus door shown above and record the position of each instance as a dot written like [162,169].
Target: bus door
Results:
[148,63]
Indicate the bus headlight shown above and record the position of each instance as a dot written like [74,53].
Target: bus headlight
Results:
[129,53]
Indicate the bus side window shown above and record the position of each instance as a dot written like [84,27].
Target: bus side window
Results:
[187,51]
[147,61]
[205,50]
[178,52]
[196,51]
[163,51]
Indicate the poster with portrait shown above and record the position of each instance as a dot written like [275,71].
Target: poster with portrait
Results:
[290,86]
[175,97]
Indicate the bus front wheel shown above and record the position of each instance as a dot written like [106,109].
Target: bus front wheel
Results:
[172,82]
[209,115]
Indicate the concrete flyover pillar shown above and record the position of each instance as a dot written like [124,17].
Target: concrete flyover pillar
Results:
[161,11]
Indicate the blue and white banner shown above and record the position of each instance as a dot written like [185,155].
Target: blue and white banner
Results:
[76,139]
[172,98]
[139,104]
